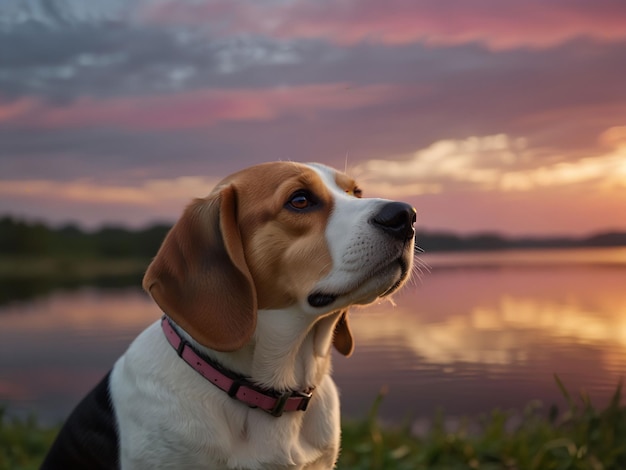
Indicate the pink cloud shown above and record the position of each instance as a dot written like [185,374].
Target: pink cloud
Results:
[195,109]
[16,109]
[498,24]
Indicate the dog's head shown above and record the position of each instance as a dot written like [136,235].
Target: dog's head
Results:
[277,235]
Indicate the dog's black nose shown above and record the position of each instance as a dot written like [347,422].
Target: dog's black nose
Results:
[396,219]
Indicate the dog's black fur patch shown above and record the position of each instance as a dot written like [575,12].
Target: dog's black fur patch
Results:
[89,437]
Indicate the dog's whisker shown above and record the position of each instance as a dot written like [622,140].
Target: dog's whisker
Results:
[421,264]
[419,270]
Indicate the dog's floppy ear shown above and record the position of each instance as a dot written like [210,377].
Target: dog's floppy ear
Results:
[342,340]
[200,278]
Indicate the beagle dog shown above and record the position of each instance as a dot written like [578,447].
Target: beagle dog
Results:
[254,282]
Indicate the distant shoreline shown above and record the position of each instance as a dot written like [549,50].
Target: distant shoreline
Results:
[22,238]
[432,242]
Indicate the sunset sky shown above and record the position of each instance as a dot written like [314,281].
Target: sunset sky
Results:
[487,115]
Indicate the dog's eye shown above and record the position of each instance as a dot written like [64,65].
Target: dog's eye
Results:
[301,200]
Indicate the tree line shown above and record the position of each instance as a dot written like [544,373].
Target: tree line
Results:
[18,237]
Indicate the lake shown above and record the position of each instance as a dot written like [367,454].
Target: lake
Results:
[479,331]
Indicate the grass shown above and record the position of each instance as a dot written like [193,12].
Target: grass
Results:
[23,443]
[581,438]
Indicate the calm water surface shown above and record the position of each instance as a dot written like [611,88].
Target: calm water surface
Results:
[481,330]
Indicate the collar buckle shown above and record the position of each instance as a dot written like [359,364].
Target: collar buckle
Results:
[282,400]
[279,407]
[306,398]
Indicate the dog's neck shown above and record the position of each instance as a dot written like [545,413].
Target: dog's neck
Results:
[290,350]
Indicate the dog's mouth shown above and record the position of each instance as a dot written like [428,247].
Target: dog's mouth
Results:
[320,299]
[404,271]
[323,299]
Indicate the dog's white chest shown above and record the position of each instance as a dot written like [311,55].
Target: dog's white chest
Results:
[184,422]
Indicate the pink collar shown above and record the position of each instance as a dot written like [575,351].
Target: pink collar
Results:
[237,386]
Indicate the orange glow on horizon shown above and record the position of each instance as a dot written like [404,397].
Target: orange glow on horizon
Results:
[175,192]
[591,189]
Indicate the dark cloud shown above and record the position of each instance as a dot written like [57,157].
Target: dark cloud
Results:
[104,60]
[115,156]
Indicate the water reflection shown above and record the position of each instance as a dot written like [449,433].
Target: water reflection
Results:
[30,287]
[466,338]
[54,349]
[497,316]
[88,311]
[473,337]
